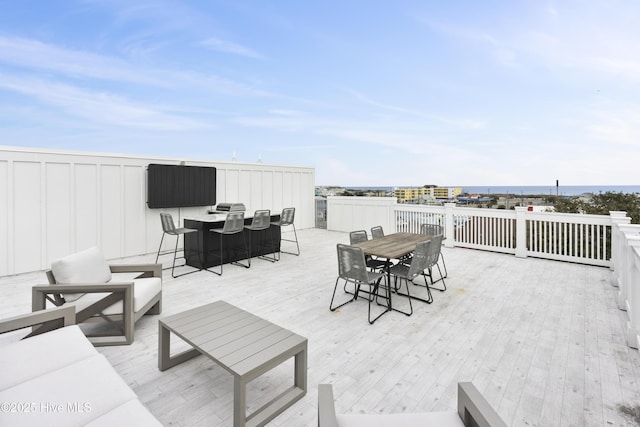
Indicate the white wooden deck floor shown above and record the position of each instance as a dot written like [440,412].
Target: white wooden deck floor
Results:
[542,340]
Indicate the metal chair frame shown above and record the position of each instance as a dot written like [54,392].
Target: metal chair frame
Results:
[261,221]
[233,224]
[436,230]
[169,227]
[352,269]
[286,218]
[419,264]
[373,263]
[435,255]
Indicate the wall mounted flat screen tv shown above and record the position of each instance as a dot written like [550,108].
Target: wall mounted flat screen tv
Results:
[173,186]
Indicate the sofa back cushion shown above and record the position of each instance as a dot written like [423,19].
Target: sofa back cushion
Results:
[88,266]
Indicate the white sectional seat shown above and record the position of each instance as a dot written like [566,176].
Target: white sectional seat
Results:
[58,378]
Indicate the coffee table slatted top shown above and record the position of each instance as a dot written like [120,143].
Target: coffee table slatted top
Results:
[235,339]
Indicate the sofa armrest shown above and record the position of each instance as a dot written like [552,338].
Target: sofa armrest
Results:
[53,318]
[326,406]
[474,410]
[147,270]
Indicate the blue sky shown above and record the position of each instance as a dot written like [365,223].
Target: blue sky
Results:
[368,92]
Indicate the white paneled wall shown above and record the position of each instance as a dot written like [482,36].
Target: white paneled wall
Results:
[361,213]
[53,203]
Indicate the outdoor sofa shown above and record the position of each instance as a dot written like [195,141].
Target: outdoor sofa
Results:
[59,379]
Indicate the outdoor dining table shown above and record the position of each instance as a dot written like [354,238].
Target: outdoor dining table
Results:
[393,246]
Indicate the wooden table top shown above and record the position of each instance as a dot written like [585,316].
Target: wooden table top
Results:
[394,245]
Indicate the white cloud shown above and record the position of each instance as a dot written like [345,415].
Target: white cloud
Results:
[67,63]
[230,47]
[453,121]
[617,127]
[99,107]
[36,55]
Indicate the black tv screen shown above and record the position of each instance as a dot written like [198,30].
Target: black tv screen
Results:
[173,186]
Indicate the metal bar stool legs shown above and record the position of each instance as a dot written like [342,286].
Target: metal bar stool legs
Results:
[262,222]
[246,248]
[168,227]
[233,224]
[286,218]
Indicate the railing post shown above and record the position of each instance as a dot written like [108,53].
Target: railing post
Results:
[633,289]
[617,218]
[449,235]
[392,220]
[521,231]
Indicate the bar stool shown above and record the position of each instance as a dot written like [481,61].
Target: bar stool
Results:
[233,224]
[169,227]
[286,218]
[261,221]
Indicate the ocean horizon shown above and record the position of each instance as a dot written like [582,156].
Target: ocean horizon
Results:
[562,190]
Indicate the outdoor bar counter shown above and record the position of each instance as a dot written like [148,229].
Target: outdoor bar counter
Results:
[204,246]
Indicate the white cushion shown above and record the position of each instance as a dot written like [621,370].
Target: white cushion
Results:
[88,266]
[144,290]
[38,355]
[131,413]
[92,384]
[422,419]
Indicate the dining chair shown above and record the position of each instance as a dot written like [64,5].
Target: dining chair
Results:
[233,224]
[169,227]
[352,268]
[435,230]
[408,273]
[360,236]
[434,254]
[261,221]
[287,218]
[377,232]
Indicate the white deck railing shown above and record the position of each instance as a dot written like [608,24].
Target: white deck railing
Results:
[626,272]
[579,238]
[600,240]
[565,237]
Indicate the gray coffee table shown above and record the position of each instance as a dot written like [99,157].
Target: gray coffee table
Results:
[243,344]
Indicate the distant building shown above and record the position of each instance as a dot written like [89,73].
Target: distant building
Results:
[414,194]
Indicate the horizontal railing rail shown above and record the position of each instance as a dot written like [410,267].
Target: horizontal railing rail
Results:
[486,229]
[409,218]
[569,237]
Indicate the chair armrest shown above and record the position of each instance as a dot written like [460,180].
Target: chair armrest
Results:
[326,406]
[39,292]
[85,288]
[148,270]
[474,410]
[65,316]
